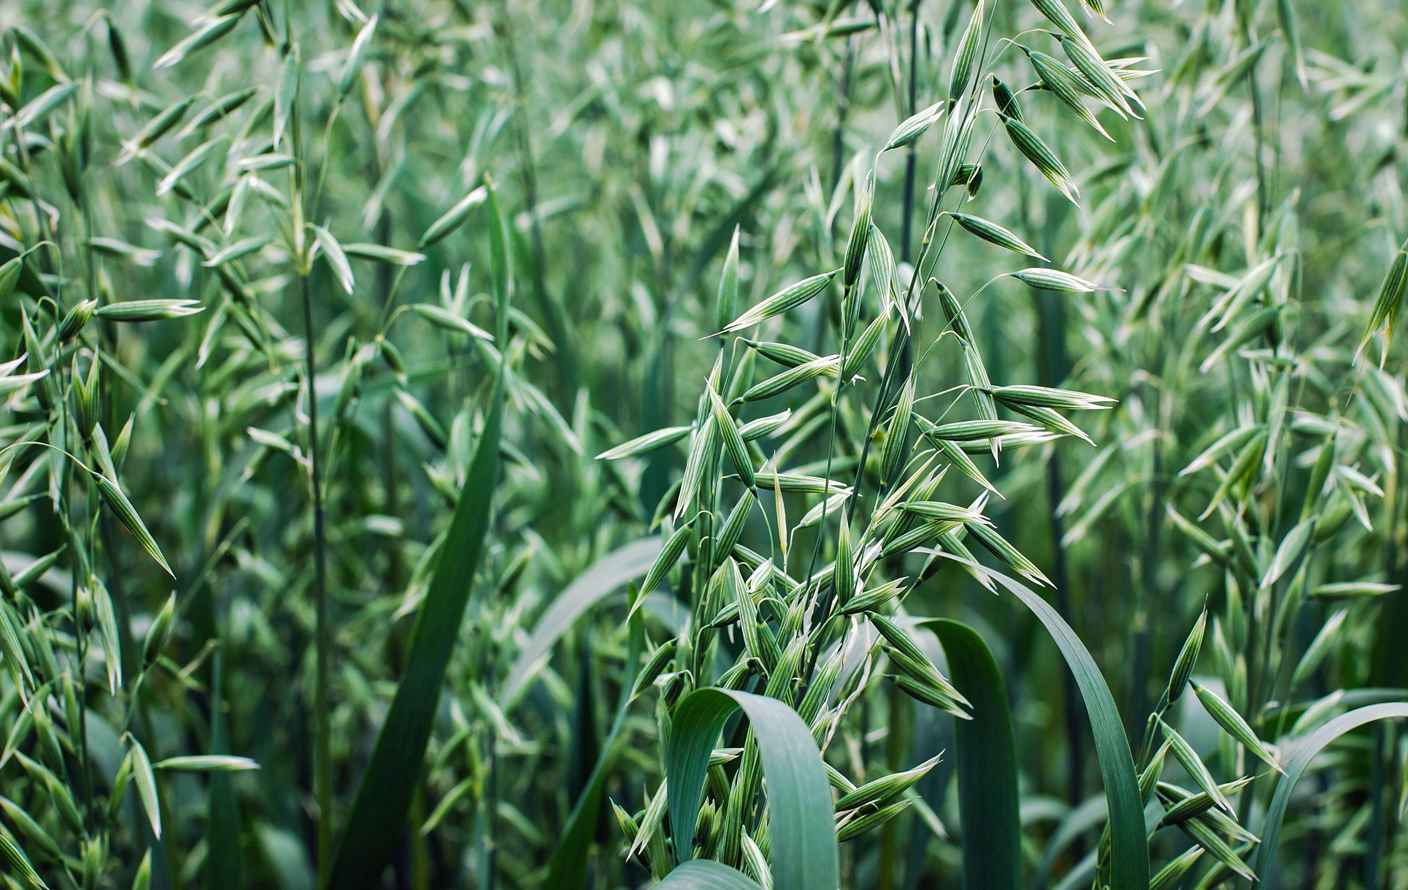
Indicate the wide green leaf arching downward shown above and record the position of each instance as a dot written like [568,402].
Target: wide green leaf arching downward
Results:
[393,771]
[1129,844]
[1305,751]
[804,848]
[986,757]
[701,874]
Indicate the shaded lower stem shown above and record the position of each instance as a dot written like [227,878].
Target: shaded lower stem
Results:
[322,766]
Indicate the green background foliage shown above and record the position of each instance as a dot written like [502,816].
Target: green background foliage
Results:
[569,444]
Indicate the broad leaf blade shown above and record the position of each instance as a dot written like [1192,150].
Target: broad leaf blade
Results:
[986,763]
[701,874]
[804,848]
[1129,846]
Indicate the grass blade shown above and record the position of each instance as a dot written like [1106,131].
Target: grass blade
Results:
[568,868]
[1129,846]
[701,874]
[393,770]
[804,847]
[605,576]
[986,763]
[1305,751]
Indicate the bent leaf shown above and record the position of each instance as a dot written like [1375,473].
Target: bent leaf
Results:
[804,847]
[986,761]
[586,590]
[1305,751]
[1129,846]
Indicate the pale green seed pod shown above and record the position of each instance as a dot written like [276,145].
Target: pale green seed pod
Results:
[164,121]
[966,55]
[884,789]
[36,569]
[1168,877]
[49,749]
[1005,100]
[11,647]
[63,801]
[789,297]
[212,31]
[1390,299]
[930,695]
[34,834]
[1200,830]
[31,43]
[1110,88]
[94,855]
[654,667]
[625,821]
[1056,13]
[1010,555]
[874,598]
[18,863]
[783,353]
[1187,659]
[355,57]
[897,435]
[812,703]
[914,126]
[127,515]
[733,442]
[1054,279]
[1065,86]
[865,344]
[669,555]
[134,311]
[423,418]
[828,366]
[727,301]
[732,528]
[160,631]
[453,218]
[645,444]
[1235,725]
[860,233]
[122,442]
[1149,778]
[993,233]
[844,577]
[900,641]
[1188,758]
[143,879]
[869,821]
[9,276]
[218,110]
[1041,157]
[86,391]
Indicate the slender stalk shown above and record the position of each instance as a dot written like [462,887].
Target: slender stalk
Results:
[322,765]
[322,733]
[552,313]
[911,158]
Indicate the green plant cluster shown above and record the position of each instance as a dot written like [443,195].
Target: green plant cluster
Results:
[703,444]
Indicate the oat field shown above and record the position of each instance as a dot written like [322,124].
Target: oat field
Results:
[703,444]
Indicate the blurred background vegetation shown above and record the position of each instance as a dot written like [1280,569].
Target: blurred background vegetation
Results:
[1241,232]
